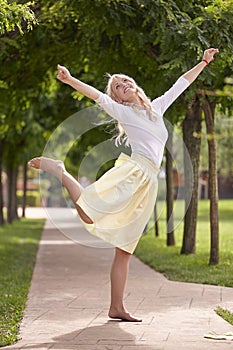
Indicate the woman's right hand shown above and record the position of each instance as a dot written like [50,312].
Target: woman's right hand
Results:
[63,74]
[85,89]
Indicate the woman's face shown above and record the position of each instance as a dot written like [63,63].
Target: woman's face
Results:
[124,89]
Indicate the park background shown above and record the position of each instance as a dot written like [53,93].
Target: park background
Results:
[154,42]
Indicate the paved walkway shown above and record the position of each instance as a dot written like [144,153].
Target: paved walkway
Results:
[69,299]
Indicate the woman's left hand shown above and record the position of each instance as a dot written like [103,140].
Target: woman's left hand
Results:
[209,54]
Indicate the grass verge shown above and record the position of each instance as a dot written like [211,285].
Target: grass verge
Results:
[18,248]
[225,314]
[193,267]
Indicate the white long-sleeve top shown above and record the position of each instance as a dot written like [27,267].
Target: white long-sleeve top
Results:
[146,137]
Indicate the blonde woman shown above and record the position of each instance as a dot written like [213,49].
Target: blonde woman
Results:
[117,207]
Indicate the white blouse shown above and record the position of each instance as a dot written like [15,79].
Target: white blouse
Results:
[146,137]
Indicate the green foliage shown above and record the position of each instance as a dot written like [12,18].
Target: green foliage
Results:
[193,267]
[18,247]
[33,198]
[82,148]
[154,41]
[15,15]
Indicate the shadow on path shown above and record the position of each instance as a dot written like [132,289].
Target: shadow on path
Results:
[107,336]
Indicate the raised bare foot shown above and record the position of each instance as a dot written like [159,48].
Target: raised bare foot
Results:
[124,316]
[54,167]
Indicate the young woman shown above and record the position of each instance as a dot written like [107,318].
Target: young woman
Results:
[117,207]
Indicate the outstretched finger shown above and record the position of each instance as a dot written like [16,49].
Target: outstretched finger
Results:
[213,51]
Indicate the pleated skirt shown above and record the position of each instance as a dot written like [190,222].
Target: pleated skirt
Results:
[121,202]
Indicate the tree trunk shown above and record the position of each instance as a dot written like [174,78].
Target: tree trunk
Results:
[169,185]
[2,221]
[209,109]
[12,213]
[156,221]
[191,130]
[24,190]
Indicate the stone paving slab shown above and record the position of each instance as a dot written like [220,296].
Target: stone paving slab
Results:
[70,293]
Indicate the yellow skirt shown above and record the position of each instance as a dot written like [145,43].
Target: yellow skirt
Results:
[121,202]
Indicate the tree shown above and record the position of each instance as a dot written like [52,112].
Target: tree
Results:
[191,126]
[1,186]
[170,195]
[203,24]
[222,15]
[153,41]
[209,110]
[14,19]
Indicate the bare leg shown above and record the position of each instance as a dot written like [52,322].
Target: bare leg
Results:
[119,273]
[57,168]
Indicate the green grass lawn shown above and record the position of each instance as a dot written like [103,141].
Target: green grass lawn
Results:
[18,247]
[194,267]
[225,314]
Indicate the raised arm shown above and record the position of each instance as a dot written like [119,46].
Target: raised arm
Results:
[85,89]
[193,73]
[162,103]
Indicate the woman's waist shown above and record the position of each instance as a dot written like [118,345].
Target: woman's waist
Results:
[140,159]
[145,161]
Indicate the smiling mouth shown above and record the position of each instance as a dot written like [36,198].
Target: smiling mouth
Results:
[126,89]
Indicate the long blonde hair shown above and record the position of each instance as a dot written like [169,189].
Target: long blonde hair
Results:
[122,137]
